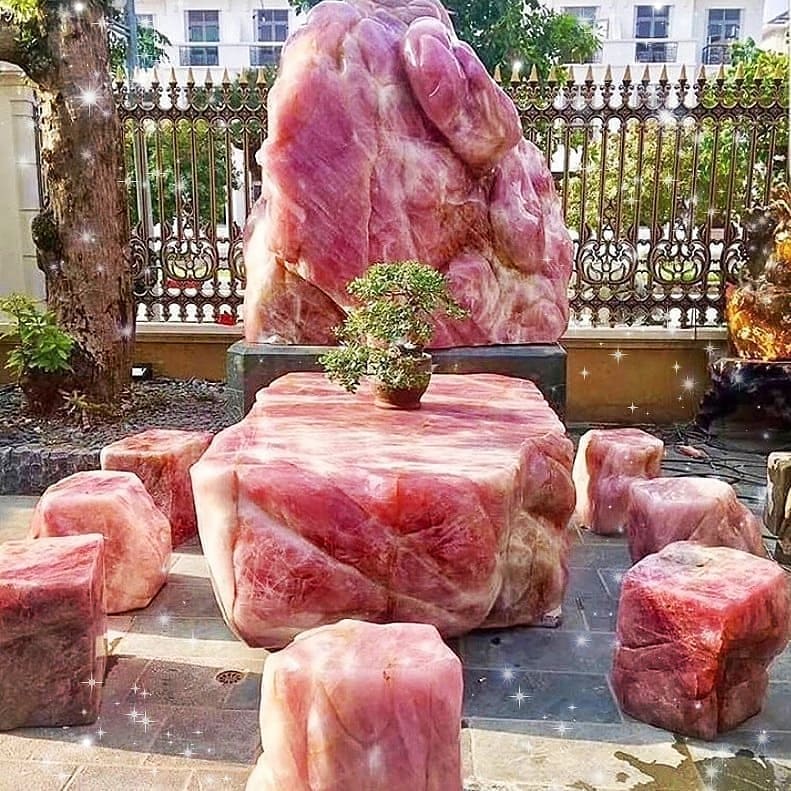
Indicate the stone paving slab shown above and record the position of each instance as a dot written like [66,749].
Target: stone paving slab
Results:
[538,711]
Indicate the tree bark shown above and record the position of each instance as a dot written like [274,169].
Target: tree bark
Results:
[82,238]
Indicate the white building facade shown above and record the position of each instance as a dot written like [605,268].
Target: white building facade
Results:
[220,34]
[689,32]
[243,34]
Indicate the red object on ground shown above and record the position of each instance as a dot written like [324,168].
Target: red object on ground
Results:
[697,628]
[388,140]
[705,510]
[137,533]
[319,506]
[162,458]
[607,462]
[361,706]
[227,319]
[52,640]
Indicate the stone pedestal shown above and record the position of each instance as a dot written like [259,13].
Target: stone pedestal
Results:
[251,366]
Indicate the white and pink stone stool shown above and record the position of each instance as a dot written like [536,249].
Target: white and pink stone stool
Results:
[162,458]
[356,705]
[697,628]
[607,462]
[117,506]
[52,640]
[705,510]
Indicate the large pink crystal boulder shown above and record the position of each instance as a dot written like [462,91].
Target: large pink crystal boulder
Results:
[607,462]
[319,506]
[388,140]
[52,640]
[705,510]
[697,628]
[361,706]
[162,458]
[137,533]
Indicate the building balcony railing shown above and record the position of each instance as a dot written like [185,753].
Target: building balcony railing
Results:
[234,56]
[717,54]
[656,51]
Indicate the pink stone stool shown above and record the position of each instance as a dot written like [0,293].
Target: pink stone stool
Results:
[607,462]
[697,628]
[705,510]
[162,458]
[356,705]
[137,533]
[52,640]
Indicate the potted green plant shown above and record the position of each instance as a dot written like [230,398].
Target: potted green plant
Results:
[42,352]
[385,335]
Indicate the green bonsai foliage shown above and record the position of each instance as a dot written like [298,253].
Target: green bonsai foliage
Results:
[385,335]
[40,345]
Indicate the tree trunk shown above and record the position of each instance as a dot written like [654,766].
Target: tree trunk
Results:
[83,236]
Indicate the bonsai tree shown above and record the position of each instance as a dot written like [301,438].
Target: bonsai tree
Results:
[384,337]
[41,357]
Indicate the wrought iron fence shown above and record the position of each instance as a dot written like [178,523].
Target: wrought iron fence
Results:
[653,175]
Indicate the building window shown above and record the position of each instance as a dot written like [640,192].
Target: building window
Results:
[652,21]
[585,14]
[202,26]
[271,25]
[145,20]
[724,25]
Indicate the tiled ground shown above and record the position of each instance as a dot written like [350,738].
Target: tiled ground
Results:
[539,712]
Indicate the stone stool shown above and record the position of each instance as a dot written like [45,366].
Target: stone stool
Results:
[705,510]
[52,646]
[356,705]
[137,533]
[697,628]
[607,462]
[162,458]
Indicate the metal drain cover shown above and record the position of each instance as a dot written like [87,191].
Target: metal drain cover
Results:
[229,677]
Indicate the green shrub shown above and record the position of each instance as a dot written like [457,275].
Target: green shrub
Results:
[39,344]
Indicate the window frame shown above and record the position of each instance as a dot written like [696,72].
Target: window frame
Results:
[653,18]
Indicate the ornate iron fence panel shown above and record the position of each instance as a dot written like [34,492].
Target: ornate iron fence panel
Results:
[654,177]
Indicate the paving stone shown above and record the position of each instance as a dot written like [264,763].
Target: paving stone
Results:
[571,763]
[207,734]
[221,779]
[555,697]
[178,684]
[186,597]
[527,648]
[183,628]
[28,776]
[246,694]
[93,778]
[190,565]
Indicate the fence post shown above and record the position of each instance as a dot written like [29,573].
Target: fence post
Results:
[20,199]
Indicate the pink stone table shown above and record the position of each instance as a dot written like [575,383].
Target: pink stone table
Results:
[361,706]
[319,506]
[697,628]
[117,506]
[52,631]
[704,510]
[162,458]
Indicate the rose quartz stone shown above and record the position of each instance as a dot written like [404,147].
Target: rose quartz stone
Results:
[705,510]
[387,139]
[697,628]
[137,533]
[607,462]
[319,506]
[162,458]
[52,640]
[361,706]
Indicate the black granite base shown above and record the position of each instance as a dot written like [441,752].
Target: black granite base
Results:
[251,366]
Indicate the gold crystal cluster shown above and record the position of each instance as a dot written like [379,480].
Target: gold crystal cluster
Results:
[759,312]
